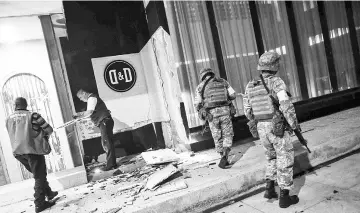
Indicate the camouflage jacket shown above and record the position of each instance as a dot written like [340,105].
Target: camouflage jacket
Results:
[278,89]
[199,101]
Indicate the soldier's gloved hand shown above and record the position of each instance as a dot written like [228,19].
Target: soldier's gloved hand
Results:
[209,117]
[232,110]
[202,114]
[299,128]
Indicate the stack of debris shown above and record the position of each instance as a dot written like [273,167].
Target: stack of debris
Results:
[150,174]
[160,175]
[141,177]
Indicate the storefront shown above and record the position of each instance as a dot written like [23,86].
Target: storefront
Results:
[319,50]
[318,43]
[143,59]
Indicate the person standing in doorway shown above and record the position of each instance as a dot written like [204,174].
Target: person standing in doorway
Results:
[101,117]
[269,126]
[29,134]
[213,102]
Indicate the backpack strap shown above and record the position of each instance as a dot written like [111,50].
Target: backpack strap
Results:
[203,89]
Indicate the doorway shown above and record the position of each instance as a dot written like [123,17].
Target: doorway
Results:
[34,90]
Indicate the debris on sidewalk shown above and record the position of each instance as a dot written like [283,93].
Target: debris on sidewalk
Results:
[204,165]
[186,174]
[171,187]
[92,211]
[114,210]
[200,166]
[160,176]
[128,202]
[159,156]
[128,187]
[117,172]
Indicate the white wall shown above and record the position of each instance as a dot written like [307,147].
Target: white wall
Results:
[164,89]
[23,50]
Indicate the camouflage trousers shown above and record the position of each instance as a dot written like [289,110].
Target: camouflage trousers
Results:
[221,128]
[279,153]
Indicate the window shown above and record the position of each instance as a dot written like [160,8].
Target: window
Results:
[356,8]
[238,44]
[276,36]
[195,49]
[312,48]
[341,44]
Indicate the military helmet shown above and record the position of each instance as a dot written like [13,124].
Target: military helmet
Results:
[20,103]
[205,71]
[269,61]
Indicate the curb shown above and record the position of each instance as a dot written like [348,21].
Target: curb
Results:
[224,189]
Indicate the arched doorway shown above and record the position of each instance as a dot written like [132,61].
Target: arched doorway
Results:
[34,90]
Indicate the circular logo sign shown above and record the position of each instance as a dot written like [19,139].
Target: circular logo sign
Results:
[120,76]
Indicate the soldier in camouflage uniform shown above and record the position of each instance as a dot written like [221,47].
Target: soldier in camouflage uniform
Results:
[279,150]
[213,103]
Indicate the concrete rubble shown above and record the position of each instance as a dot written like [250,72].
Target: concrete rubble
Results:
[160,176]
[159,156]
[147,177]
[171,187]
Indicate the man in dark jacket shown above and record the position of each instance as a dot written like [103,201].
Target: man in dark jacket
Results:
[101,117]
[29,133]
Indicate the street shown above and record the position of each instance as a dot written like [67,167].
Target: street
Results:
[333,188]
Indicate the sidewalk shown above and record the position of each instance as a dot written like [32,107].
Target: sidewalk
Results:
[328,138]
[332,188]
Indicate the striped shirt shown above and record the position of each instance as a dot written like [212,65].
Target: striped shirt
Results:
[38,122]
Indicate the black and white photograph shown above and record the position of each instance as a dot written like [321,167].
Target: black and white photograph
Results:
[179,106]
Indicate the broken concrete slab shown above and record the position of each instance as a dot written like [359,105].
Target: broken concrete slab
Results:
[159,156]
[171,187]
[124,188]
[160,176]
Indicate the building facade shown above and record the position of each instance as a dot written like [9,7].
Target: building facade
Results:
[143,59]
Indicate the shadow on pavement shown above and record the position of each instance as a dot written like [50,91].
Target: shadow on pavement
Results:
[238,152]
[301,166]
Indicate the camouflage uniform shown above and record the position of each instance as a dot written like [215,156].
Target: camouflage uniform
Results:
[221,128]
[220,124]
[279,151]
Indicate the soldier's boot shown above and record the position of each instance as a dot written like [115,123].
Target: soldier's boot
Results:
[286,200]
[224,159]
[270,190]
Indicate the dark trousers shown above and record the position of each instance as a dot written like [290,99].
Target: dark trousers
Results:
[106,128]
[37,166]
